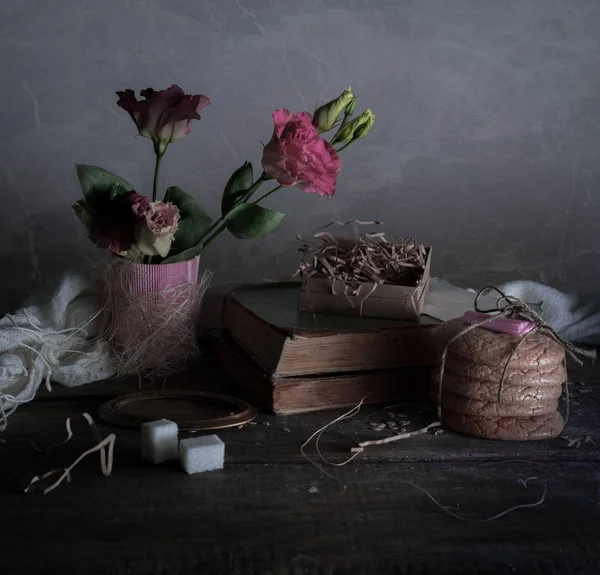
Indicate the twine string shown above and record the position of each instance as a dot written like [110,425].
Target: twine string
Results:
[357,451]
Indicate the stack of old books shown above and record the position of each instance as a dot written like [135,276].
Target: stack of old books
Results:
[290,362]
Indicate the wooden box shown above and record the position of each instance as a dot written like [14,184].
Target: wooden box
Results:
[327,296]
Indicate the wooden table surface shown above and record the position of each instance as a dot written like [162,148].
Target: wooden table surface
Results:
[270,511]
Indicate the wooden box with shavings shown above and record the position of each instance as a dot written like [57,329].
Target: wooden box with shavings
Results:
[366,276]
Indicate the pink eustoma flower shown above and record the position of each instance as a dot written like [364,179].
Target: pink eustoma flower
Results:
[163,116]
[298,156]
[154,234]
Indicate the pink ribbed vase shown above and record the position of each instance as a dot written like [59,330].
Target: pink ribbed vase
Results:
[155,278]
[171,290]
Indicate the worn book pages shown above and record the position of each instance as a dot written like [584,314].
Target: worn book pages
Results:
[445,301]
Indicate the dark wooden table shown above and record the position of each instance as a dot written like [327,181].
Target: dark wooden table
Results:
[270,511]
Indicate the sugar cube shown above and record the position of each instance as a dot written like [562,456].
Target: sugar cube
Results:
[159,441]
[200,454]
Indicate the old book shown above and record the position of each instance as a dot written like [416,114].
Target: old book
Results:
[286,395]
[265,321]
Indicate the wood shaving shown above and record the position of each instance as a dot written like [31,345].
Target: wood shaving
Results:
[357,222]
[524,482]
[402,435]
[577,441]
[371,260]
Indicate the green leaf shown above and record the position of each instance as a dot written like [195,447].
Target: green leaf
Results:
[185,254]
[194,221]
[99,184]
[251,221]
[238,184]
[118,189]
[81,211]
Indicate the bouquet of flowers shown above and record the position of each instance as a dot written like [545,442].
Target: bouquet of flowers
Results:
[148,230]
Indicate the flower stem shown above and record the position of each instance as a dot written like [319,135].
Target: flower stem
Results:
[262,178]
[215,235]
[267,194]
[156,171]
[344,146]
[218,227]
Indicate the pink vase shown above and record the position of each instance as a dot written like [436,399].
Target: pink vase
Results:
[156,278]
[170,290]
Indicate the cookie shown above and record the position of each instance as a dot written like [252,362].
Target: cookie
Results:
[464,405]
[537,349]
[488,390]
[507,428]
[533,375]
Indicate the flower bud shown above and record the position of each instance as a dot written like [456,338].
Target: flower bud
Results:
[350,108]
[363,129]
[354,129]
[327,115]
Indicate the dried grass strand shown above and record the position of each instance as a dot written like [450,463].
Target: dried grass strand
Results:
[357,222]
[372,259]
[104,446]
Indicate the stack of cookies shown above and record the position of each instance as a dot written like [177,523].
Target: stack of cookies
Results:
[528,405]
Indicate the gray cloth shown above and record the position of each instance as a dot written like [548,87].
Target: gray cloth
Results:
[575,318]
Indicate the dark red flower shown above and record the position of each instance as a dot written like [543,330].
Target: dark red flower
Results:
[111,222]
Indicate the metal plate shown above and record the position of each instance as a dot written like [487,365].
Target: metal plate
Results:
[191,410]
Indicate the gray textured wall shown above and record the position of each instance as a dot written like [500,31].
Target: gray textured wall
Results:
[487,143]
